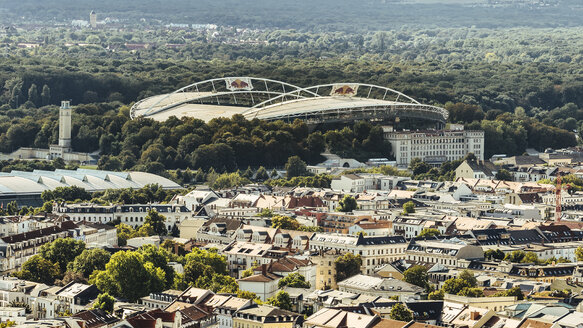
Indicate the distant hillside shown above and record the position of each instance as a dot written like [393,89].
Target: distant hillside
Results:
[321,15]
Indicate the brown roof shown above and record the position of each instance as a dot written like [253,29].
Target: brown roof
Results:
[306,201]
[287,264]
[573,224]
[262,277]
[99,225]
[194,313]
[67,225]
[95,318]
[149,318]
[389,323]
[531,323]
[423,325]
[231,224]
[530,198]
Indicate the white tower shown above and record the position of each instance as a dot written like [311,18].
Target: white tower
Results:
[65,124]
[93,19]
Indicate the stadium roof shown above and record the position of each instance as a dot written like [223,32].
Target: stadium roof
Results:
[37,181]
[274,100]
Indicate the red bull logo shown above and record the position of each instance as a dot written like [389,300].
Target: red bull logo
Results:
[238,84]
[344,90]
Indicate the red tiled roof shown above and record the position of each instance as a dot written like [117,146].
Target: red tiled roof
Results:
[262,277]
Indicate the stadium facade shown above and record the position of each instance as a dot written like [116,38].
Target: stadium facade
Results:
[26,187]
[270,100]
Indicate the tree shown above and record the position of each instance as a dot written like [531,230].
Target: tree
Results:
[229,180]
[436,295]
[127,275]
[62,251]
[515,256]
[159,257]
[295,280]
[469,277]
[455,285]
[429,233]
[207,156]
[247,273]
[416,275]
[409,207]
[530,257]
[71,276]
[295,167]
[471,292]
[401,313]
[90,260]
[217,262]
[514,291]
[503,174]
[194,270]
[265,213]
[285,222]
[281,300]
[494,254]
[261,174]
[33,95]
[157,277]
[247,295]
[72,193]
[417,166]
[40,270]
[347,204]
[45,95]
[12,208]
[579,253]
[274,174]
[156,220]
[104,302]
[347,265]
[218,283]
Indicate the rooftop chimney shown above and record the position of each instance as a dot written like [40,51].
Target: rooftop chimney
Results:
[475,315]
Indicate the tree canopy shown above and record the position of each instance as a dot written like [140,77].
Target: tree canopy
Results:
[417,275]
[295,280]
[347,265]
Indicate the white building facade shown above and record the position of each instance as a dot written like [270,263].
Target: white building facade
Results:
[435,146]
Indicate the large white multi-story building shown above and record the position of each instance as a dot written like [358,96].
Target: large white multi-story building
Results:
[133,215]
[435,146]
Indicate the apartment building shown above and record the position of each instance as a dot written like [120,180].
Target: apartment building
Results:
[17,249]
[133,215]
[374,251]
[435,146]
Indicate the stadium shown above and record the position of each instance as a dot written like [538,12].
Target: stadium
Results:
[26,188]
[270,100]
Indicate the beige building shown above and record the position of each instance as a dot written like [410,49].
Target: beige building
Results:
[434,146]
[336,318]
[476,170]
[325,270]
[264,316]
[383,287]
[374,251]
[445,252]
[489,303]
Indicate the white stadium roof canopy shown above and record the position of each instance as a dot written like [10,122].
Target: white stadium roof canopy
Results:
[275,100]
[37,181]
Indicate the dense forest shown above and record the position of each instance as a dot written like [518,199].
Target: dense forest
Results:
[523,86]
[327,15]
